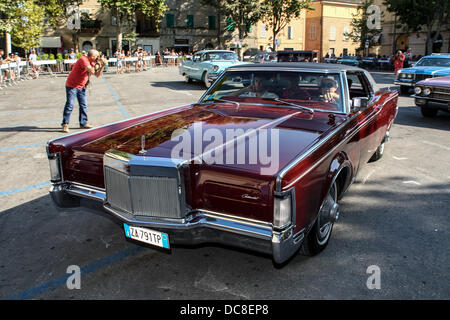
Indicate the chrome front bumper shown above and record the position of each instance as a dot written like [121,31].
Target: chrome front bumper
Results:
[401,83]
[199,226]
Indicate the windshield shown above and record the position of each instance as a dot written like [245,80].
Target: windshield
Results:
[221,56]
[433,62]
[315,90]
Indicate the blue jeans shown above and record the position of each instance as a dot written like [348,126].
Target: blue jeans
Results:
[71,94]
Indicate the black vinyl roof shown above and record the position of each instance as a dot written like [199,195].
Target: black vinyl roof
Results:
[301,65]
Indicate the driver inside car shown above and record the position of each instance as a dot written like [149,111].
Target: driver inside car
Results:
[256,90]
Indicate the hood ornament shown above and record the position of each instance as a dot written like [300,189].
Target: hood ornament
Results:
[143,151]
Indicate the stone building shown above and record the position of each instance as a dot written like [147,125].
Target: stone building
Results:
[394,38]
[327,24]
[189,26]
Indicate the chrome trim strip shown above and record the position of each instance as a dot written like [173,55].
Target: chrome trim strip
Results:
[85,191]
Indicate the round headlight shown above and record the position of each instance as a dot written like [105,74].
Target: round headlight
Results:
[402,75]
[426,91]
[409,75]
[417,90]
[216,68]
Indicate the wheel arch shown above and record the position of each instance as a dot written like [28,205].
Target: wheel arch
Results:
[340,171]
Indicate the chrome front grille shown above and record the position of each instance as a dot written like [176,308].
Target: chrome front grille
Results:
[155,197]
[117,190]
[440,93]
[141,187]
[420,77]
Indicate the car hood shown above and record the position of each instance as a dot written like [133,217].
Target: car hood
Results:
[439,81]
[223,64]
[435,71]
[218,134]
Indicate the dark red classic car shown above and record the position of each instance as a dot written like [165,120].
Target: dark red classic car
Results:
[259,162]
[432,95]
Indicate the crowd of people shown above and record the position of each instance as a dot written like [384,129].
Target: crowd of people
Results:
[12,70]
[13,73]
[160,59]
[395,62]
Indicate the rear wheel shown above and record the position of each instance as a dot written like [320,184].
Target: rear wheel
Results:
[318,237]
[428,112]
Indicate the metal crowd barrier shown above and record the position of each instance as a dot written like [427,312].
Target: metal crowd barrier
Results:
[45,67]
[15,73]
[28,70]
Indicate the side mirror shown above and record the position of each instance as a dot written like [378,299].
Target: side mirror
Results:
[359,103]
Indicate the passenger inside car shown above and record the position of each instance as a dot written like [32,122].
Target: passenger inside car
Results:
[328,90]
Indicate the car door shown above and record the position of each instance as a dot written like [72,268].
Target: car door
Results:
[367,118]
[196,67]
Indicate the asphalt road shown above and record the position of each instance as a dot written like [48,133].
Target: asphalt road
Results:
[395,216]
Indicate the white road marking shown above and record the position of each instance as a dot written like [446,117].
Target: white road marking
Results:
[412,182]
[368,176]
[180,91]
[398,158]
[434,144]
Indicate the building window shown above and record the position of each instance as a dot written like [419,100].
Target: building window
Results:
[170,21]
[345,52]
[312,33]
[346,33]
[190,21]
[290,33]
[332,33]
[212,22]
[263,31]
[230,24]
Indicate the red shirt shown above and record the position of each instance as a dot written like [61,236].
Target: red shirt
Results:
[79,75]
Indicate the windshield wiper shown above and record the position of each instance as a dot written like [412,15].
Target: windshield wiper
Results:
[221,100]
[295,105]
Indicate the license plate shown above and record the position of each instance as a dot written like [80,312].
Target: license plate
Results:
[152,237]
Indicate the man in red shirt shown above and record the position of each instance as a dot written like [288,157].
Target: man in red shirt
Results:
[76,87]
[399,58]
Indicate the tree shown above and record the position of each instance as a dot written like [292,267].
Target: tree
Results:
[8,10]
[56,10]
[429,16]
[241,15]
[28,25]
[364,28]
[279,13]
[124,12]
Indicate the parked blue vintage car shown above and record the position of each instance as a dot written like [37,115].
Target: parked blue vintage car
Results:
[207,65]
[349,61]
[436,65]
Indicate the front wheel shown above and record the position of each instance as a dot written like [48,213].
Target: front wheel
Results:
[319,236]
[206,81]
[187,79]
